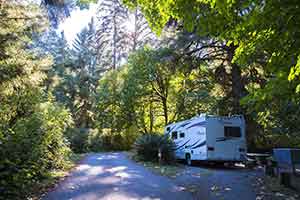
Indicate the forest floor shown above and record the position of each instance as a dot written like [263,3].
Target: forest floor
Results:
[112,176]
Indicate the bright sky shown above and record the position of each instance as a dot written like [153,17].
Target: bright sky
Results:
[77,21]
[80,18]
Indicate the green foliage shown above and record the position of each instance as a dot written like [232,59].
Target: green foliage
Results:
[108,108]
[87,1]
[148,93]
[32,146]
[92,140]
[74,75]
[20,69]
[148,146]
[32,128]
[61,2]
[262,39]
[78,138]
[109,142]
[95,141]
[228,57]
[277,116]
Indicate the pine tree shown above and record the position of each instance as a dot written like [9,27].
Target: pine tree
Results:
[31,128]
[21,70]
[54,44]
[141,34]
[112,16]
[59,10]
[84,48]
[86,74]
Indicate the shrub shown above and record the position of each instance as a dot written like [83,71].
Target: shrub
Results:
[78,138]
[95,141]
[130,135]
[34,145]
[105,142]
[147,147]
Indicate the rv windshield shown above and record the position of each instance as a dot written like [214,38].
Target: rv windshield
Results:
[230,131]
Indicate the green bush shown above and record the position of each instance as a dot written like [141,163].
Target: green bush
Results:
[95,141]
[34,145]
[78,138]
[105,142]
[84,140]
[147,147]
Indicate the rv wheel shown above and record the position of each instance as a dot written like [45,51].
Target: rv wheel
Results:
[188,159]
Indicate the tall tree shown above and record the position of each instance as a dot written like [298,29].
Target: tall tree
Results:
[140,33]
[21,69]
[87,74]
[74,76]
[150,92]
[31,126]
[59,10]
[112,16]
[251,31]
[56,45]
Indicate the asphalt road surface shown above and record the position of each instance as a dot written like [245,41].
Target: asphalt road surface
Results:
[217,182]
[112,176]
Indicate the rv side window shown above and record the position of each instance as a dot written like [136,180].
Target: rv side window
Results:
[181,135]
[232,131]
[174,135]
[168,128]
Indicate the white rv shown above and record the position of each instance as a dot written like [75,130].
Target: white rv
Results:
[209,138]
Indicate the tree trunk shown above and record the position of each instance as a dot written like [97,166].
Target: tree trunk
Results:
[135,30]
[114,43]
[165,108]
[238,90]
[151,114]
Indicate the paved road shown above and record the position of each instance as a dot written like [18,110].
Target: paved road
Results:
[111,176]
[220,183]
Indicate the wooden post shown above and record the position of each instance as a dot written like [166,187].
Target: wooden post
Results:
[269,168]
[159,156]
[285,179]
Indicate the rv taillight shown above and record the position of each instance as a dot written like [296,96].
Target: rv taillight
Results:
[210,148]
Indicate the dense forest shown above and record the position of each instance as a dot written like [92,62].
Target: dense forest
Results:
[113,84]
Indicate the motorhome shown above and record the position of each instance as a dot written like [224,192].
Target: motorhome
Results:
[209,138]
